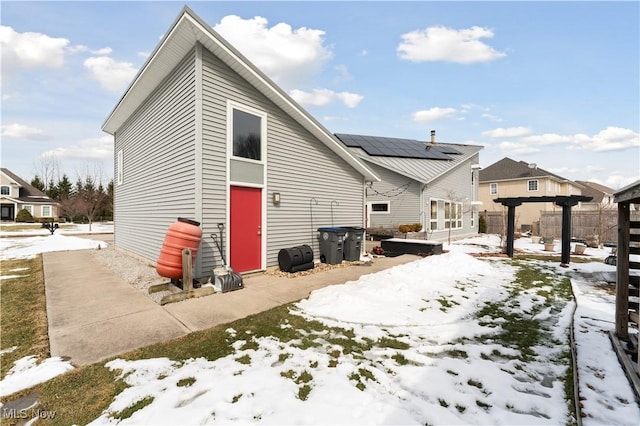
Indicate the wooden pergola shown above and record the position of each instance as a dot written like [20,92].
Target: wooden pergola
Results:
[565,201]
[627,285]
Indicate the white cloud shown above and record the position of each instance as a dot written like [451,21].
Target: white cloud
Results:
[449,45]
[322,97]
[144,55]
[509,132]
[291,57]
[111,74]
[82,48]
[100,148]
[492,117]
[30,50]
[611,139]
[549,139]
[619,181]
[518,148]
[23,132]
[432,114]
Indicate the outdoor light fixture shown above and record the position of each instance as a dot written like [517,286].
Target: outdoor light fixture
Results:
[276,198]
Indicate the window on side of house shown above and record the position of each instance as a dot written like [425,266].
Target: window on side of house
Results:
[247,135]
[28,208]
[46,211]
[452,215]
[532,185]
[5,190]
[119,168]
[433,215]
[493,188]
[382,207]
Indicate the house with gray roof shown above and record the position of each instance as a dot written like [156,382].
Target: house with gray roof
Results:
[603,197]
[17,194]
[202,133]
[511,178]
[426,182]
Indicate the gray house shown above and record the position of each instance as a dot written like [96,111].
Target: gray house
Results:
[17,194]
[431,183]
[202,133]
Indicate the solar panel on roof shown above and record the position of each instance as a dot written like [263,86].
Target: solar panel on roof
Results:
[445,149]
[395,147]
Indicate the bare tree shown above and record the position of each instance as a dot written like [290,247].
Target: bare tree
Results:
[47,168]
[90,195]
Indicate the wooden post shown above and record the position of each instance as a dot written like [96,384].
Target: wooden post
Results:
[187,282]
[511,225]
[622,272]
[565,258]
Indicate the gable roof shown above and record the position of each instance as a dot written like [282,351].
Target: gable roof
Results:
[187,30]
[27,192]
[508,169]
[595,190]
[405,161]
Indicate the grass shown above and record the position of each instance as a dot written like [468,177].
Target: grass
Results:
[26,329]
[83,394]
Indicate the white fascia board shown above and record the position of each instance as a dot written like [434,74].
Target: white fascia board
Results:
[188,24]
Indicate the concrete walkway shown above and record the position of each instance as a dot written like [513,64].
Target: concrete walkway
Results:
[93,314]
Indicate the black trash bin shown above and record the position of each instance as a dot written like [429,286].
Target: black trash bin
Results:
[331,244]
[353,242]
[295,259]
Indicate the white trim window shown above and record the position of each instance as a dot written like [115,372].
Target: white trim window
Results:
[29,208]
[46,211]
[5,190]
[452,215]
[248,134]
[493,188]
[382,207]
[532,185]
[433,215]
[119,168]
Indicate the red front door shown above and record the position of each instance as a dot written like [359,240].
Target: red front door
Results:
[245,229]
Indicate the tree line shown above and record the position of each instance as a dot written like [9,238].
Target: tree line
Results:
[86,200]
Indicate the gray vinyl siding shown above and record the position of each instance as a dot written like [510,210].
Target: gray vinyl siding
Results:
[455,186]
[403,195]
[299,167]
[158,144]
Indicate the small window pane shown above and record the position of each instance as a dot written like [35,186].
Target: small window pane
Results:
[493,189]
[380,207]
[532,185]
[4,190]
[246,135]
[46,211]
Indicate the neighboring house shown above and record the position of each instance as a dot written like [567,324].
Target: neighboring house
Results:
[510,178]
[16,194]
[602,196]
[202,133]
[431,183]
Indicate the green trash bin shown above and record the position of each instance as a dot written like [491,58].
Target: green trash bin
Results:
[331,244]
[353,242]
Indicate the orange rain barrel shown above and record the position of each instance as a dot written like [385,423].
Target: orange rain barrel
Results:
[184,233]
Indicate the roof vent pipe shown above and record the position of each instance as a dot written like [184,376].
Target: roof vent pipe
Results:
[433,136]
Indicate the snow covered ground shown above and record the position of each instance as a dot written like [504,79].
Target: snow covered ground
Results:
[12,229]
[442,367]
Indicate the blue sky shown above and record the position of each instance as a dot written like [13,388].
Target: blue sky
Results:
[551,83]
